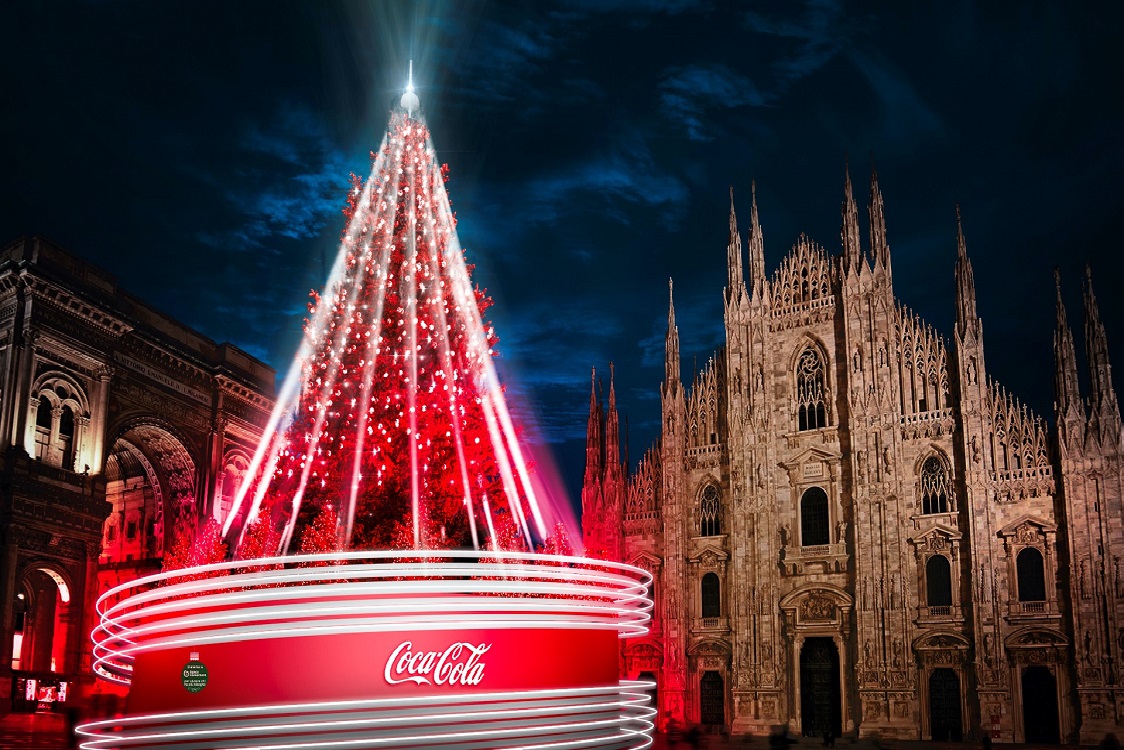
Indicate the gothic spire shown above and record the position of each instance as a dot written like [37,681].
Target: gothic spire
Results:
[594,445]
[849,233]
[671,347]
[1105,411]
[1067,394]
[967,320]
[612,432]
[735,282]
[878,245]
[756,249]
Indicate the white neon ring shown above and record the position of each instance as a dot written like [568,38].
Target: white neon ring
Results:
[365,592]
[610,717]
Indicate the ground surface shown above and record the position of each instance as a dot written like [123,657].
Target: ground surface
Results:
[47,731]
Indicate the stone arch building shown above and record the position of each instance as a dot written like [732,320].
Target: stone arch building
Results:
[114,421]
[900,547]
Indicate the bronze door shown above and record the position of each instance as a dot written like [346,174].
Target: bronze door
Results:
[712,699]
[820,699]
[1040,705]
[944,706]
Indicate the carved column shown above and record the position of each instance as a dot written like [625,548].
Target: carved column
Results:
[81,427]
[23,432]
[96,450]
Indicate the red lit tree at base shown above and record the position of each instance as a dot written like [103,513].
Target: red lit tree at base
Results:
[395,423]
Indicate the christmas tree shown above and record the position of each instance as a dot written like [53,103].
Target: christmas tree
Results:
[391,430]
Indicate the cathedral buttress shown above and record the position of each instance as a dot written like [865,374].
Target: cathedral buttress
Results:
[613,487]
[853,259]
[1104,411]
[1092,496]
[674,592]
[879,247]
[592,516]
[975,443]
[1068,407]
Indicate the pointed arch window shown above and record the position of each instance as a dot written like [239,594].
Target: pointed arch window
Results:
[938,582]
[815,527]
[811,399]
[710,512]
[1032,575]
[936,489]
[711,596]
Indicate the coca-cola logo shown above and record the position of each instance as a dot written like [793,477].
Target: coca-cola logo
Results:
[459,664]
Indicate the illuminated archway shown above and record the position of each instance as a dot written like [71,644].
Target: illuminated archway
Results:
[150,481]
[41,633]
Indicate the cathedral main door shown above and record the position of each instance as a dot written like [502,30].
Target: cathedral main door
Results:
[944,706]
[1040,705]
[820,701]
[712,699]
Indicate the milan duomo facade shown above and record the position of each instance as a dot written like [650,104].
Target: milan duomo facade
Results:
[854,529]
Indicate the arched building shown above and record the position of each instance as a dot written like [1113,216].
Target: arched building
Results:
[854,529]
[114,421]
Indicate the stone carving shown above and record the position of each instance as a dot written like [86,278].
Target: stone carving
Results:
[868,650]
[897,651]
[1027,534]
[817,608]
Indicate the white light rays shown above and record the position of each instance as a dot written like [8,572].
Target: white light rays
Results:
[371,355]
[327,387]
[450,376]
[289,396]
[406,185]
[410,277]
[503,436]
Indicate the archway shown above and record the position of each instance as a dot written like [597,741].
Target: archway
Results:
[150,481]
[42,622]
[821,708]
[945,722]
[1040,705]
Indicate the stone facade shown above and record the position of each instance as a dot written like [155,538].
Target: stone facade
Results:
[854,529]
[114,421]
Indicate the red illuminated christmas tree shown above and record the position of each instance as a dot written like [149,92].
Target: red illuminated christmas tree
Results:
[393,433]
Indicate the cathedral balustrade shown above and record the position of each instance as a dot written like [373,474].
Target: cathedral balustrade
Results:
[704,456]
[712,624]
[1020,475]
[826,558]
[821,303]
[939,614]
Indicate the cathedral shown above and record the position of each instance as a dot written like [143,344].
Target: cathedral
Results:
[853,529]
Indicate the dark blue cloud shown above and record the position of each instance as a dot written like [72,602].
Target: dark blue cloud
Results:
[691,94]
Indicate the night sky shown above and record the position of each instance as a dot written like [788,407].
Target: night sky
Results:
[200,152]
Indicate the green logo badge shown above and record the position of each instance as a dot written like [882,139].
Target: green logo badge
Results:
[194,676]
